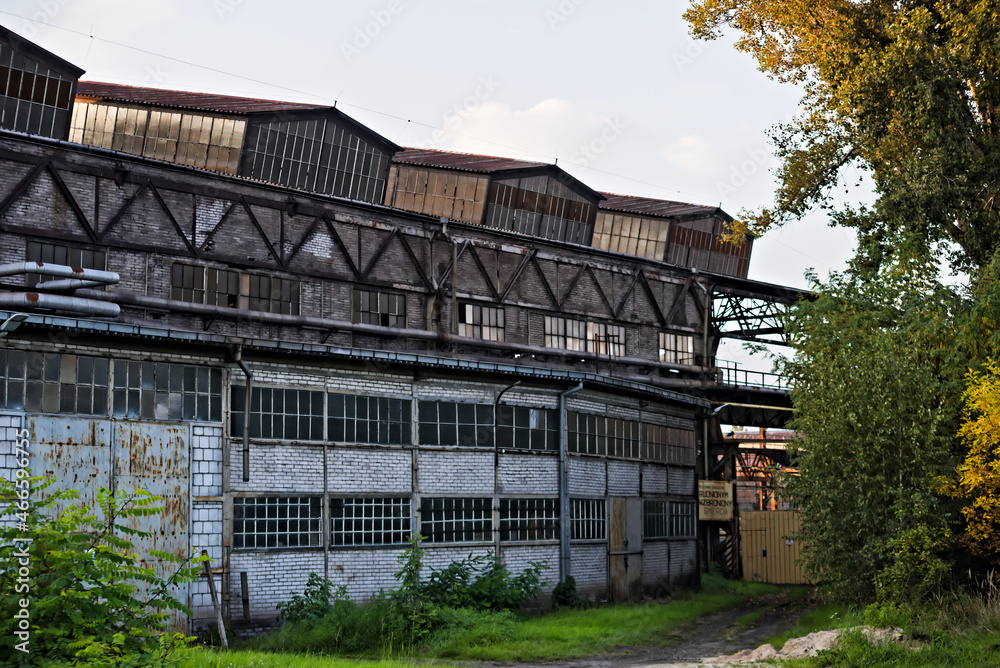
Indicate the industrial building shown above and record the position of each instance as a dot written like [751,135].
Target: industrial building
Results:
[313,343]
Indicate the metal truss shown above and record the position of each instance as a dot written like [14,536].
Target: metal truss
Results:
[749,319]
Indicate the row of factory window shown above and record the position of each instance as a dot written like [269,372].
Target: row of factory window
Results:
[33,98]
[265,522]
[299,415]
[85,385]
[260,292]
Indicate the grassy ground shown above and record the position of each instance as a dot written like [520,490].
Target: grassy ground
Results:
[560,635]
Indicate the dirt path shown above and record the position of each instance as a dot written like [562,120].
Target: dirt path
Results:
[712,635]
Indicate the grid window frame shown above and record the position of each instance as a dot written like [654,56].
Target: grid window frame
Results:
[276,413]
[655,518]
[681,448]
[456,519]
[586,433]
[588,520]
[166,391]
[370,521]
[277,522]
[529,519]
[480,321]
[355,418]
[216,286]
[654,446]
[525,428]
[682,519]
[676,348]
[449,423]
[374,307]
[606,339]
[64,254]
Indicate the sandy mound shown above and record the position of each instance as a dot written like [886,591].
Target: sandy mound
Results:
[806,646]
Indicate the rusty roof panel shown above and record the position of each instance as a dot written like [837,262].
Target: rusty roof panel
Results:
[467,162]
[660,208]
[226,104]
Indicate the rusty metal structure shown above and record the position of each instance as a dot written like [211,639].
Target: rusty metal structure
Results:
[313,343]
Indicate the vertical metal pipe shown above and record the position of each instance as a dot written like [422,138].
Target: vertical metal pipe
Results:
[246,413]
[564,520]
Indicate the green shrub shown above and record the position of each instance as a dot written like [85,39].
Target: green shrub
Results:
[564,594]
[82,580]
[314,602]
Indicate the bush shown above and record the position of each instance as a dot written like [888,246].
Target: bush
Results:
[83,579]
[564,594]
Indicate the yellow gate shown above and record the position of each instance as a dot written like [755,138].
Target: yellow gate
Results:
[771,551]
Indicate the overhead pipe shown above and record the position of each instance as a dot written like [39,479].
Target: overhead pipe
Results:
[59,271]
[247,315]
[564,519]
[20,300]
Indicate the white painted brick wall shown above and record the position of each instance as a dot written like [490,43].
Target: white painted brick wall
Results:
[529,474]
[655,562]
[10,426]
[272,577]
[454,472]
[623,478]
[683,561]
[654,479]
[589,567]
[206,529]
[369,471]
[206,461]
[586,476]
[364,572]
[518,557]
[681,480]
[278,467]
[455,391]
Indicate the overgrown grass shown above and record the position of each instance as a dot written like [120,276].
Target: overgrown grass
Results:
[574,633]
[821,618]
[204,658]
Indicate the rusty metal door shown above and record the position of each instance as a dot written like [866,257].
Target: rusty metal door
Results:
[75,451]
[154,457]
[625,549]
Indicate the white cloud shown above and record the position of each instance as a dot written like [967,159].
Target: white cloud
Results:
[693,153]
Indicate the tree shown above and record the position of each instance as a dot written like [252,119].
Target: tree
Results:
[908,91]
[81,580]
[875,396]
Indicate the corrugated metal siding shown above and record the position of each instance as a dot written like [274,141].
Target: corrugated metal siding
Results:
[771,551]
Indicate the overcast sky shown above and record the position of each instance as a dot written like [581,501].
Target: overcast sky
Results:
[615,90]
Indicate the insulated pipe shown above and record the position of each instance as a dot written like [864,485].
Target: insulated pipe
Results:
[59,271]
[20,300]
[357,328]
[564,523]
[246,413]
[68,284]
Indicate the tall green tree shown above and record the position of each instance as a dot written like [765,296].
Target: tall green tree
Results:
[907,91]
[877,393]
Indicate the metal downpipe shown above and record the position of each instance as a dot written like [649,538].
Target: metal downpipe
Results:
[246,412]
[564,521]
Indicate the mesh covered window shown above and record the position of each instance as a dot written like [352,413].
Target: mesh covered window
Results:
[589,519]
[681,446]
[360,521]
[277,522]
[455,520]
[529,519]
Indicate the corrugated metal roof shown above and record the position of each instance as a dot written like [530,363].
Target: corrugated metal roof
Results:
[647,206]
[468,162]
[188,99]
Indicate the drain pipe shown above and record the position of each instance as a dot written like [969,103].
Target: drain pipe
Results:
[564,520]
[246,412]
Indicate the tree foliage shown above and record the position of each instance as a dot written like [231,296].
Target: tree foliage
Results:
[91,602]
[876,397]
[908,91]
